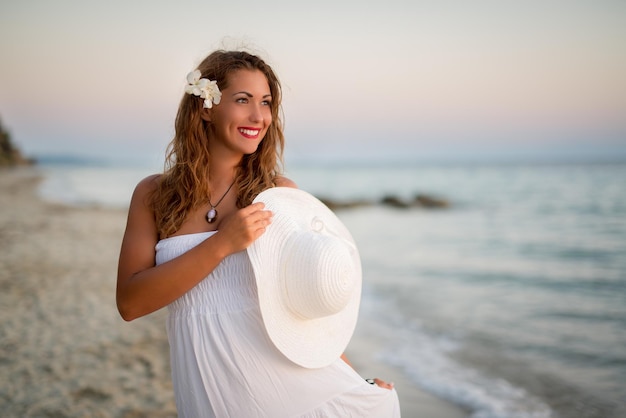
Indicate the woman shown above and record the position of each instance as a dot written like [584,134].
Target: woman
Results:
[184,247]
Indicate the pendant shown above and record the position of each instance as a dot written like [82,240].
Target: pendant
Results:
[211,215]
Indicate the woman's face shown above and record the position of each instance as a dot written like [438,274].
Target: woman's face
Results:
[244,113]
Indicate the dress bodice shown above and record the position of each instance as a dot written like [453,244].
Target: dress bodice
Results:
[230,287]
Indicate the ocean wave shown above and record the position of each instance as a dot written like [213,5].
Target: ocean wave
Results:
[427,358]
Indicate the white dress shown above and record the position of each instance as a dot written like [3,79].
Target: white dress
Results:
[224,364]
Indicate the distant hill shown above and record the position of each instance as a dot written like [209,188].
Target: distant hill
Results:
[9,154]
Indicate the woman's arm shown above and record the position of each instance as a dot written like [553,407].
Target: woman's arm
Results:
[143,287]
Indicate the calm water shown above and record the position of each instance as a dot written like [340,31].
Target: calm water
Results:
[511,303]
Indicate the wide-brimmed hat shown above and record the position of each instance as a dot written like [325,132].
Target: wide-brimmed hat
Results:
[308,275]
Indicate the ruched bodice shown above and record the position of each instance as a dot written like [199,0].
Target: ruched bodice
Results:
[231,288]
[225,365]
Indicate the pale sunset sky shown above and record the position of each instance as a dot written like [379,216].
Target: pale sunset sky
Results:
[393,79]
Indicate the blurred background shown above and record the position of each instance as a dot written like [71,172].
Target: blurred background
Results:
[503,292]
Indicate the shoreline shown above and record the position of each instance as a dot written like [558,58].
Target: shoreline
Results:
[65,351]
[414,402]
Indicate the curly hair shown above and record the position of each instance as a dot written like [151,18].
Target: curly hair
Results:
[184,185]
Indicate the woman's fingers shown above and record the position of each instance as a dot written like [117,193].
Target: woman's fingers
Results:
[245,226]
[383,384]
[256,218]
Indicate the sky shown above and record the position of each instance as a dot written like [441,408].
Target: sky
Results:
[361,79]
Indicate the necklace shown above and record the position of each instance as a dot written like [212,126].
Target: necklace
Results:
[212,213]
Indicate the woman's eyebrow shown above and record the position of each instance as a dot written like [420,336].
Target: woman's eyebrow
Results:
[250,94]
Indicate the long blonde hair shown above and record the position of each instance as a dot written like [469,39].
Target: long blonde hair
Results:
[184,186]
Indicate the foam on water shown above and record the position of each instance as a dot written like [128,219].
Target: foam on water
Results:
[428,359]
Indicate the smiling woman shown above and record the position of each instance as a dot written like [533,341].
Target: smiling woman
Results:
[185,248]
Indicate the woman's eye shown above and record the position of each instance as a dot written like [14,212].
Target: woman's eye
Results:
[266,102]
[242,100]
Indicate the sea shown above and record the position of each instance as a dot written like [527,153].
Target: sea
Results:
[509,302]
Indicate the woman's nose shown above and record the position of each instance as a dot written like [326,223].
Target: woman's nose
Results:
[256,114]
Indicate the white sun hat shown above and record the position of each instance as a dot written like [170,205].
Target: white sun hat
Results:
[308,275]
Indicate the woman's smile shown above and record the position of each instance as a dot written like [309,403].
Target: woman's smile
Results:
[251,133]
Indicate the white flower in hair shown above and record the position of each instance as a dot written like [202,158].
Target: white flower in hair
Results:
[204,88]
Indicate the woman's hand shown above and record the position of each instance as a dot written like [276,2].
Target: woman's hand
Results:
[243,227]
[376,381]
[382,383]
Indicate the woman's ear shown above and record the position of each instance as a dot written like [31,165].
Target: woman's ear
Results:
[206,115]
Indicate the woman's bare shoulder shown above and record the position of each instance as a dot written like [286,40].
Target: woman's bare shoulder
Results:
[285,182]
[148,184]
[145,187]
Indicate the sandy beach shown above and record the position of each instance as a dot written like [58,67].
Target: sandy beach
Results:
[65,351]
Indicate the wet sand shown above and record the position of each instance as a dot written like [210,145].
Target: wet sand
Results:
[65,351]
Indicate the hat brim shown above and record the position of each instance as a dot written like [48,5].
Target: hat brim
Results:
[311,343]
